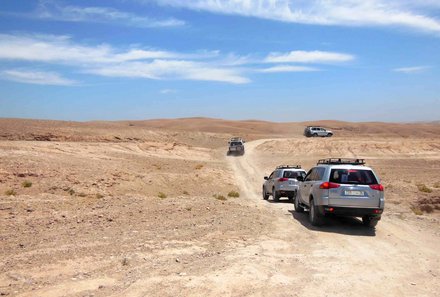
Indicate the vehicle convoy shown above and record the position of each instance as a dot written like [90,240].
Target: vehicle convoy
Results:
[313,131]
[283,182]
[236,146]
[343,187]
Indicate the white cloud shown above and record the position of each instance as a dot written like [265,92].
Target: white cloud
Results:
[48,48]
[326,12]
[36,77]
[308,57]
[53,11]
[167,91]
[172,69]
[288,68]
[106,60]
[412,70]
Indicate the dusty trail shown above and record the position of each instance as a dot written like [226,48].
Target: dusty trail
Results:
[343,258]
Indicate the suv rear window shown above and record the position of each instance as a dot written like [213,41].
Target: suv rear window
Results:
[293,174]
[235,143]
[352,176]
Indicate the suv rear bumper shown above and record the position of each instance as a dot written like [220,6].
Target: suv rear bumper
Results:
[350,211]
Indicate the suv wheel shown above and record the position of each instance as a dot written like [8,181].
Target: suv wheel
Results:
[315,135]
[314,216]
[329,135]
[370,222]
[275,195]
[298,207]
[265,195]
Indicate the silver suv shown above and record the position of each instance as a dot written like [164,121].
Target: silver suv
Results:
[342,187]
[283,182]
[312,131]
[236,146]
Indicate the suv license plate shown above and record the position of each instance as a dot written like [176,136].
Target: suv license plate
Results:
[354,193]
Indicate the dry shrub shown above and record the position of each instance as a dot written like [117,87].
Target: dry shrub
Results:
[417,211]
[219,197]
[26,184]
[426,208]
[234,194]
[10,192]
[423,188]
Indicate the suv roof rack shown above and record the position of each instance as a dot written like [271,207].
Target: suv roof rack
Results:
[331,161]
[236,139]
[289,166]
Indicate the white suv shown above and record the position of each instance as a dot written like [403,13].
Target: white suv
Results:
[283,182]
[311,131]
[342,187]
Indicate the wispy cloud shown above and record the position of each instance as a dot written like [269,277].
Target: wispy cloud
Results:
[412,70]
[167,91]
[51,10]
[172,69]
[106,60]
[288,68]
[36,77]
[134,62]
[308,57]
[410,14]
[49,48]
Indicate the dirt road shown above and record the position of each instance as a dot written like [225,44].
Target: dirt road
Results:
[343,258]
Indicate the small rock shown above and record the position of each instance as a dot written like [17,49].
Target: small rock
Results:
[182,274]
[177,260]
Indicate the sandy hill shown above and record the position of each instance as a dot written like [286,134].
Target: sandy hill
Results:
[28,129]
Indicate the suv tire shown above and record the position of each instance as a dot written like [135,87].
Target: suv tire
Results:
[369,222]
[265,195]
[329,135]
[314,216]
[298,207]
[275,195]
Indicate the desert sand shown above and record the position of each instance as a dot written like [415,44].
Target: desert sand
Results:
[141,208]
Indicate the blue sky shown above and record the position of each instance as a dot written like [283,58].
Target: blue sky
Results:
[277,60]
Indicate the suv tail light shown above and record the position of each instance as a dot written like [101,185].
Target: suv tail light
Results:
[377,187]
[283,179]
[329,185]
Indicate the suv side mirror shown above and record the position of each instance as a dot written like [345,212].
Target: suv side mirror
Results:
[266,178]
[300,178]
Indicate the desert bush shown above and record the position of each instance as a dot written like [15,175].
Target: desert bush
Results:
[185,193]
[437,185]
[99,196]
[234,194]
[417,211]
[198,167]
[71,191]
[82,194]
[426,208]
[219,197]
[162,195]
[26,184]
[10,192]
[423,188]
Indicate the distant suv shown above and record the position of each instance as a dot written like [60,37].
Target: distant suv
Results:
[283,182]
[236,146]
[312,131]
[342,187]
